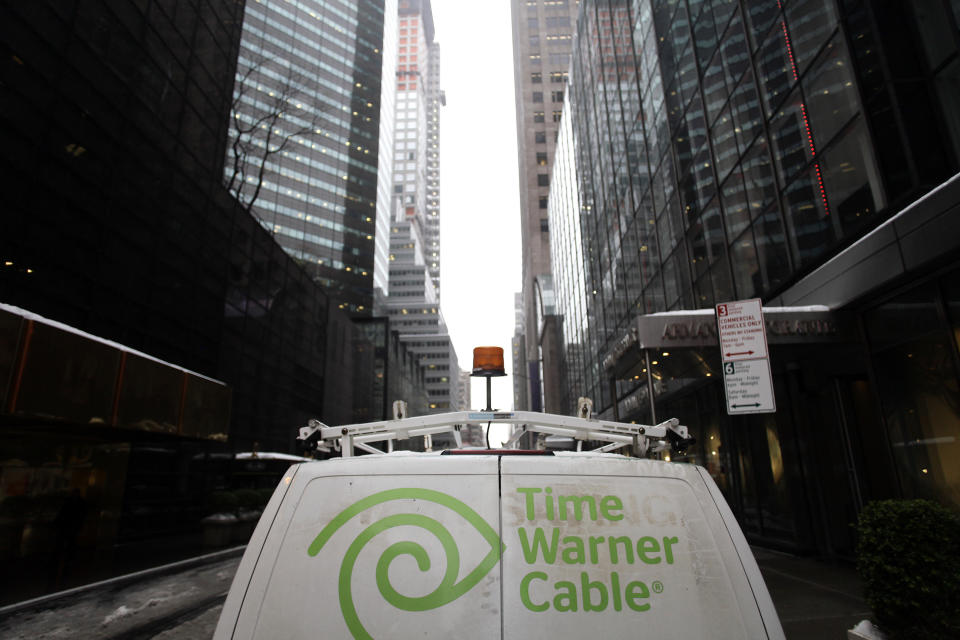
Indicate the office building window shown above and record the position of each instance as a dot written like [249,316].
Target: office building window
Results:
[543,202]
[556,96]
[538,116]
[543,180]
[557,115]
[909,339]
[536,77]
[544,225]
[540,137]
[542,159]
[538,96]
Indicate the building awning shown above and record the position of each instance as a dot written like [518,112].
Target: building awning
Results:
[56,372]
[697,328]
[921,236]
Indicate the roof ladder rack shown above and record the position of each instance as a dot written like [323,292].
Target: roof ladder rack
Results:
[644,439]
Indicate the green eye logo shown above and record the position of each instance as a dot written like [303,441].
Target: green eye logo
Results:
[448,590]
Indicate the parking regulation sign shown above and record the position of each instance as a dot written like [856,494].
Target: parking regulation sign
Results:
[749,387]
[740,329]
[747,380]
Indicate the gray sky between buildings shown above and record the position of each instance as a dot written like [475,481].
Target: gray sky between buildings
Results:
[479,198]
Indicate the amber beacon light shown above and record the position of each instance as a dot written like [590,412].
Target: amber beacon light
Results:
[487,362]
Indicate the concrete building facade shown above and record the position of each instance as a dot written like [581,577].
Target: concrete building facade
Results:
[542,37]
[413,298]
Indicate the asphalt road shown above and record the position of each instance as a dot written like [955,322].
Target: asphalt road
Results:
[814,600]
[196,628]
[180,604]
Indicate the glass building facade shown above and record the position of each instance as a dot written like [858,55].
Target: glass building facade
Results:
[716,151]
[117,225]
[305,136]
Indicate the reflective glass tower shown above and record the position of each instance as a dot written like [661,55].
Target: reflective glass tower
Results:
[798,152]
[723,151]
[150,326]
[305,137]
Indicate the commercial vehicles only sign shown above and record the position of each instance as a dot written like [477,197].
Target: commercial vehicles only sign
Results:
[740,330]
[747,380]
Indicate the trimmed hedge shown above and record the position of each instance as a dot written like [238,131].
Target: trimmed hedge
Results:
[908,556]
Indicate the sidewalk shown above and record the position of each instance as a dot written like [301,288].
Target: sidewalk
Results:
[814,599]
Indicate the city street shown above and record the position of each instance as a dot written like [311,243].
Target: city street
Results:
[263,261]
[181,604]
[200,626]
[815,601]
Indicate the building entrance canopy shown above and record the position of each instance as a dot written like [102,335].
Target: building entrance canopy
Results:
[697,329]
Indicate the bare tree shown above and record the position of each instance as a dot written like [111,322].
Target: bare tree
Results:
[262,130]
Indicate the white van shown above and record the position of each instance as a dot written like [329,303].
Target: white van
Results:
[497,544]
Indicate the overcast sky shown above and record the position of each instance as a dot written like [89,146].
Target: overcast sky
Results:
[479,197]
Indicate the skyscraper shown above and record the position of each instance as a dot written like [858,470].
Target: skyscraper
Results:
[305,138]
[800,153]
[519,355]
[436,98]
[413,303]
[415,213]
[542,36]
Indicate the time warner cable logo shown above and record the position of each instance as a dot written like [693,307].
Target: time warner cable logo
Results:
[447,591]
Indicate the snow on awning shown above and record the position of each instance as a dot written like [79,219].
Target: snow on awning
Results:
[697,328]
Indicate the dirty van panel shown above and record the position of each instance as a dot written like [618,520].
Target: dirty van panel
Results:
[277,509]
[636,548]
[373,550]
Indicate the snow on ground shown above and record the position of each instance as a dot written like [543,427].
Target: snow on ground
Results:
[110,611]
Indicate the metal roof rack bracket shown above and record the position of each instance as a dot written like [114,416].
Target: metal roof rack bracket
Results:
[643,439]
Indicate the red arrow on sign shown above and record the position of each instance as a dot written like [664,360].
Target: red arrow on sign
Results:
[740,353]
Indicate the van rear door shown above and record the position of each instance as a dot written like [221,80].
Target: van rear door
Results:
[488,546]
[623,548]
[381,547]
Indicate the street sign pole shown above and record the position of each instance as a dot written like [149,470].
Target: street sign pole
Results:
[747,379]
